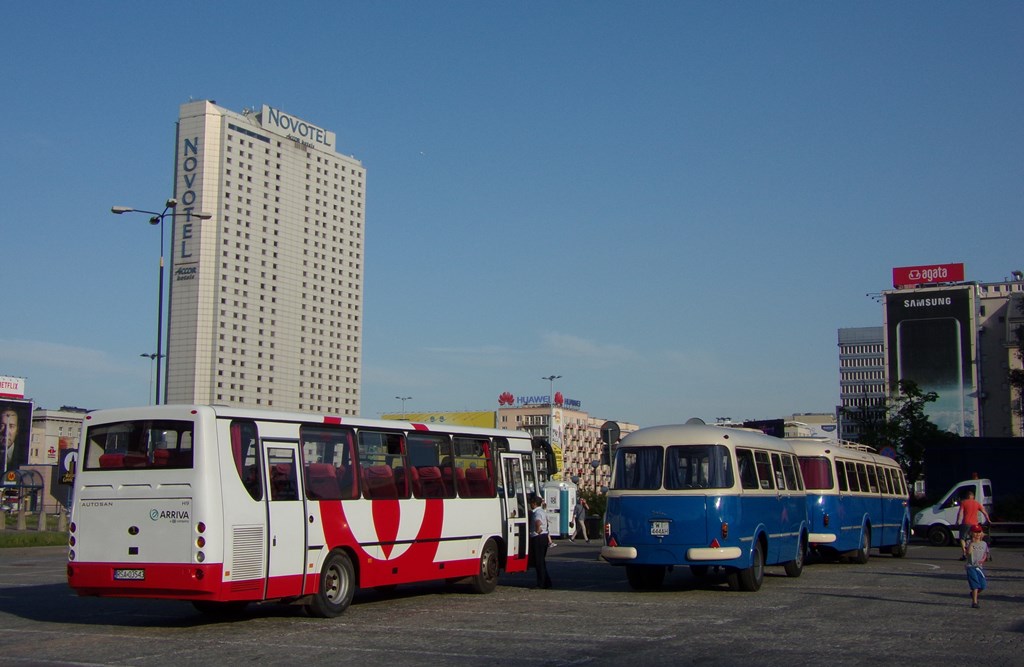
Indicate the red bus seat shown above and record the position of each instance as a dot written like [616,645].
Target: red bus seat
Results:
[379,482]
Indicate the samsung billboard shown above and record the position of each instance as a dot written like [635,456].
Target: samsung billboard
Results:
[930,341]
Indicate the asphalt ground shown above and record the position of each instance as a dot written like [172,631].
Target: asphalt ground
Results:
[913,611]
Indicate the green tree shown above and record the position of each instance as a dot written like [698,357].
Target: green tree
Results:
[903,425]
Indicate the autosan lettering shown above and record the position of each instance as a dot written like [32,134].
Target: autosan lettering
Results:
[296,129]
[922,303]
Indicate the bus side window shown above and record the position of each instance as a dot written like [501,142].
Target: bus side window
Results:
[862,476]
[764,469]
[748,473]
[780,481]
[841,475]
[789,470]
[851,477]
[244,441]
[872,479]
[882,483]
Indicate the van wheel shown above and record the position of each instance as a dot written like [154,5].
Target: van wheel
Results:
[862,554]
[899,550]
[487,580]
[796,566]
[337,586]
[750,578]
[939,536]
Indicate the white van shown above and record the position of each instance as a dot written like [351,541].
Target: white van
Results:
[938,523]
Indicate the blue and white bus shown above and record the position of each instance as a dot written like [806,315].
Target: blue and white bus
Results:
[705,496]
[856,499]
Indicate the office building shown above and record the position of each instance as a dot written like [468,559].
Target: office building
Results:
[266,296]
[862,387]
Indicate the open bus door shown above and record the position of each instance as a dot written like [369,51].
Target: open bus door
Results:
[286,525]
[515,515]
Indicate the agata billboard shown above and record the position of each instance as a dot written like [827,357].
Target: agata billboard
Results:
[911,276]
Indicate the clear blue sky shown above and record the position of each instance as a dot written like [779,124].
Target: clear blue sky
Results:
[673,205]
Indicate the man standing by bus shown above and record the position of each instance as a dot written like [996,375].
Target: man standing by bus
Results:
[966,517]
[539,540]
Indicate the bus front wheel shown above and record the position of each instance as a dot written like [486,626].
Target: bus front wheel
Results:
[862,554]
[487,579]
[899,550]
[796,566]
[337,586]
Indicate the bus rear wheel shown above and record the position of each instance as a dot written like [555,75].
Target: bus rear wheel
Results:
[337,586]
[487,579]
[750,578]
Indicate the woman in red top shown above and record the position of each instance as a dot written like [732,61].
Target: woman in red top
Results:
[966,517]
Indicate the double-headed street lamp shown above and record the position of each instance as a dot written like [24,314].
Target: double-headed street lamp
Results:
[158,219]
[403,399]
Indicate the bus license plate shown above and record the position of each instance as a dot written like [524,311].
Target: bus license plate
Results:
[130,574]
[659,528]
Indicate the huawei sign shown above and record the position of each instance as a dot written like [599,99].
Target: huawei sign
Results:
[908,276]
[506,398]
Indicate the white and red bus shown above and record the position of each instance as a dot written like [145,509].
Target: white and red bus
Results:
[227,506]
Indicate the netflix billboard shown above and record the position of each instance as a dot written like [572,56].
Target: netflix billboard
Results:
[911,276]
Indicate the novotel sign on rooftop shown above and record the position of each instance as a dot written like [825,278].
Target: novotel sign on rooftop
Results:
[296,129]
[909,276]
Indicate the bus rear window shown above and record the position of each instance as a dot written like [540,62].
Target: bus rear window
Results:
[638,468]
[817,472]
[143,444]
[698,467]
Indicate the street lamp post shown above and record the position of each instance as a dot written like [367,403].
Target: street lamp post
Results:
[403,399]
[158,219]
[152,356]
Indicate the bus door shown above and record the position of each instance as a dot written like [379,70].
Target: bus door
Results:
[514,512]
[286,525]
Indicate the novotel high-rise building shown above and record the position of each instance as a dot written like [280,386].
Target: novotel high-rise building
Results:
[266,295]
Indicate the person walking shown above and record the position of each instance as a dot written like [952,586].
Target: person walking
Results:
[967,518]
[580,517]
[539,541]
[977,555]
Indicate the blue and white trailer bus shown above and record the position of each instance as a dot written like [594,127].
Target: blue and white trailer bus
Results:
[705,497]
[856,499]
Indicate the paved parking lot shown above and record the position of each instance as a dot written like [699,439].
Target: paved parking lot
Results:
[911,611]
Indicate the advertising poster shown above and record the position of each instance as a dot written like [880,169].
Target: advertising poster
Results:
[930,340]
[15,430]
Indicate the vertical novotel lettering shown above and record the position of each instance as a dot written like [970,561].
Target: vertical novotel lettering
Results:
[190,169]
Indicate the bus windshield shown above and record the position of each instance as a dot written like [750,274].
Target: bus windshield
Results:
[638,468]
[139,444]
[698,467]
